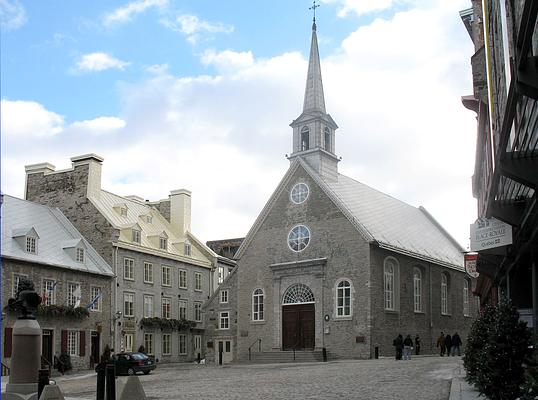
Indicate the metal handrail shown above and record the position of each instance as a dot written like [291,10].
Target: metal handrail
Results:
[5,370]
[45,362]
[59,363]
[259,341]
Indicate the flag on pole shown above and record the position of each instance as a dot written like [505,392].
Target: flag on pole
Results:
[94,301]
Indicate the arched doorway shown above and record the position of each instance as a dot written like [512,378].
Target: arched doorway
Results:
[298,318]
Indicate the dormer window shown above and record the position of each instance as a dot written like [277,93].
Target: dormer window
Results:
[163,243]
[123,211]
[31,244]
[305,138]
[149,219]
[80,255]
[187,249]
[135,236]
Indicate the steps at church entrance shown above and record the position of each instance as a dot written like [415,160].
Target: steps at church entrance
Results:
[270,357]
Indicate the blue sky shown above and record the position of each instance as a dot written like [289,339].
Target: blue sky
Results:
[199,94]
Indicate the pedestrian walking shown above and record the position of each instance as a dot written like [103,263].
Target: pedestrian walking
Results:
[441,344]
[448,344]
[456,344]
[398,346]
[407,347]
[417,345]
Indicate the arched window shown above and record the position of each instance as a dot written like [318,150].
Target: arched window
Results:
[305,138]
[344,303]
[444,294]
[417,290]
[327,134]
[257,305]
[298,294]
[466,297]
[391,283]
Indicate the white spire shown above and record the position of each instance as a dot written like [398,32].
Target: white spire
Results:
[314,99]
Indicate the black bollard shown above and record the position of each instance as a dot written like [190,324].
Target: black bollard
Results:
[43,380]
[324,351]
[199,358]
[376,352]
[220,357]
[110,382]
[101,373]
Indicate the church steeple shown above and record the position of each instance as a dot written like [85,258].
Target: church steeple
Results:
[313,130]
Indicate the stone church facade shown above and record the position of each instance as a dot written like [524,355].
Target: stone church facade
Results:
[332,263]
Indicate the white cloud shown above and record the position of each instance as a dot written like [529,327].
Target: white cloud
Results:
[94,62]
[23,119]
[12,15]
[100,125]
[157,69]
[394,93]
[194,27]
[125,13]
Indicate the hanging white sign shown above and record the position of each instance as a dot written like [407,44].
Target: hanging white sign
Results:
[487,233]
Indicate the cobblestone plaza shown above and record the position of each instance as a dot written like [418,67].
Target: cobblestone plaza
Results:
[422,378]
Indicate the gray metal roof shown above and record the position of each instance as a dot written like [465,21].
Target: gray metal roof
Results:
[392,223]
[55,234]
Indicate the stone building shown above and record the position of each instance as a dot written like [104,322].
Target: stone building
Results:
[164,274]
[332,263]
[505,179]
[40,244]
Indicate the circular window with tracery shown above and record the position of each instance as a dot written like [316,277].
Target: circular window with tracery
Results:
[299,193]
[297,294]
[298,238]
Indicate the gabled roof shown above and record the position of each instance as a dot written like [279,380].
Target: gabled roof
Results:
[379,218]
[25,231]
[56,232]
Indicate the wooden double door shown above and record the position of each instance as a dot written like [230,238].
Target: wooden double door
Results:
[298,327]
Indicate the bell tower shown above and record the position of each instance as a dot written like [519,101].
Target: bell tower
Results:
[314,130]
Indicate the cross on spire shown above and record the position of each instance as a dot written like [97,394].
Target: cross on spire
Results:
[313,8]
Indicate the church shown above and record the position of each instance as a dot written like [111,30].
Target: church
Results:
[333,264]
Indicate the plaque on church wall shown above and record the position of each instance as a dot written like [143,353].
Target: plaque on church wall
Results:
[244,333]
[360,339]
[488,233]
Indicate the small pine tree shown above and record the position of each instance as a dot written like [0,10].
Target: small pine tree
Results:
[474,357]
[530,388]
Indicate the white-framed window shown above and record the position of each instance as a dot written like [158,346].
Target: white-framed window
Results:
[148,272]
[128,269]
[305,138]
[31,244]
[444,294]
[149,219]
[148,343]
[128,304]
[299,193]
[343,298]
[183,279]
[391,283]
[148,306]
[224,320]
[466,311]
[166,275]
[123,211]
[220,272]
[257,305]
[73,294]
[96,296]
[182,345]
[163,243]
[136,236]
[166,307]
[80,255]
[167,344]
[417,290]
[298,238]
[182,309]
[73,343]
[198,282]
[128,339]
[224,296]
[198,311]
[49,292]
[187,249]
[16,279]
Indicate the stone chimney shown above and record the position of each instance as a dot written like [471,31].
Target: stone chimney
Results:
[95,164]
[180,211]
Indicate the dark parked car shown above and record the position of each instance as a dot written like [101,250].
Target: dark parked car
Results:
[131,363]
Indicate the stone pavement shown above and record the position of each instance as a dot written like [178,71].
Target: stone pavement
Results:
[460,389]
[422,378]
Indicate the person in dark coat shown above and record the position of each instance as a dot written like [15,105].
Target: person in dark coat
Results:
[417,345]
[408,347]
[441,344]
[456,344]
[448,344]
[398,345]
